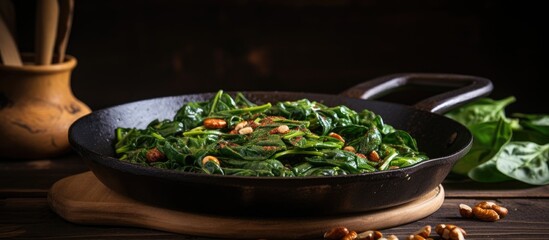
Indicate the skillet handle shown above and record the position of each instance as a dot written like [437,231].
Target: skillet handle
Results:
[468,88]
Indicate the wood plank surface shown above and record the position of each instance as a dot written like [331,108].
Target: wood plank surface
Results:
[32,219]
[33,178]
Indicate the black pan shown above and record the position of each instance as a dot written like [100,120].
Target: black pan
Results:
[442,139]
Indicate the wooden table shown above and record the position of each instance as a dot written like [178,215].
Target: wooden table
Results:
[25,214]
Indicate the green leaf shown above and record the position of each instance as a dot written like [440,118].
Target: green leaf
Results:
[211,167]
[248,152]
[242,101]
[317,143]
[402,161]
[305,150]
[534,122]
[345,160]
[324,171]
[341,116]
[166,127]
[525,161]
[301,168]
[269,167]
[488,138]
[351,131]
[370,119]
[242,111]
[400,137]
[191,114]
[368,142]
[480,111]
[488,172]
[527,135]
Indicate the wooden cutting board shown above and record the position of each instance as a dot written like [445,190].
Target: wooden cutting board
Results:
[83,199]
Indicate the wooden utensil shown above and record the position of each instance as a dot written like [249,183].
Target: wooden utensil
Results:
[47,12]
[7,11]
[8,48]
[66,8]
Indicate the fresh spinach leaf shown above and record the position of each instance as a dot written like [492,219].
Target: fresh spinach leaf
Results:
[488,138]
[503,149]
[488,172]
[534,122]
[527,135]
[525,161]
[481,111]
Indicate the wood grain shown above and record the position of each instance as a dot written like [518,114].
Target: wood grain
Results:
[83,199]
[7,12]
[43,107]
[47,12]
[66,9]
[8,48]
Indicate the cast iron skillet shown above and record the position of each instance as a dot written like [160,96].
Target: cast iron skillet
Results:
[441,138]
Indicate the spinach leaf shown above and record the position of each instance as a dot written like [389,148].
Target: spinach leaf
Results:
[287,139]
[368,142]
[351,131]
[534,122]
[341,116]
[486,120]
[503,149]
[242,101]
[130,139]
[345,160]
[191,114]
[166,127]
[301,168]
[210,167]
[488,138]
[313,143]
[527,135]
[249,151]
[324,171]
[402,161]
[299,110]
[307,110]
[268,167]
[401,138]
[369,118]
[172,153]
[525,161]
[258,147]
[480,111]
[488,172]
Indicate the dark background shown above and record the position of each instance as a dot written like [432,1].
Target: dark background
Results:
[131,50]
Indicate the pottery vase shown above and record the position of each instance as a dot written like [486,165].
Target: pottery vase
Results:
[37,107]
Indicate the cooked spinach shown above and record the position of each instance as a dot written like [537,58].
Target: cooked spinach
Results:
[503,148]
[233,136]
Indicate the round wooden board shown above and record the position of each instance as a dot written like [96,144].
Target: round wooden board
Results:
[85,200]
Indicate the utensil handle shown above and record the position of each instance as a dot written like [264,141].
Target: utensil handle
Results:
[47,12]
[7,12]
[9,53]
[66,8]
[468,88]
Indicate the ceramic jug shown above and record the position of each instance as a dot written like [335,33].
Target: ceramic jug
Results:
[37,107]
